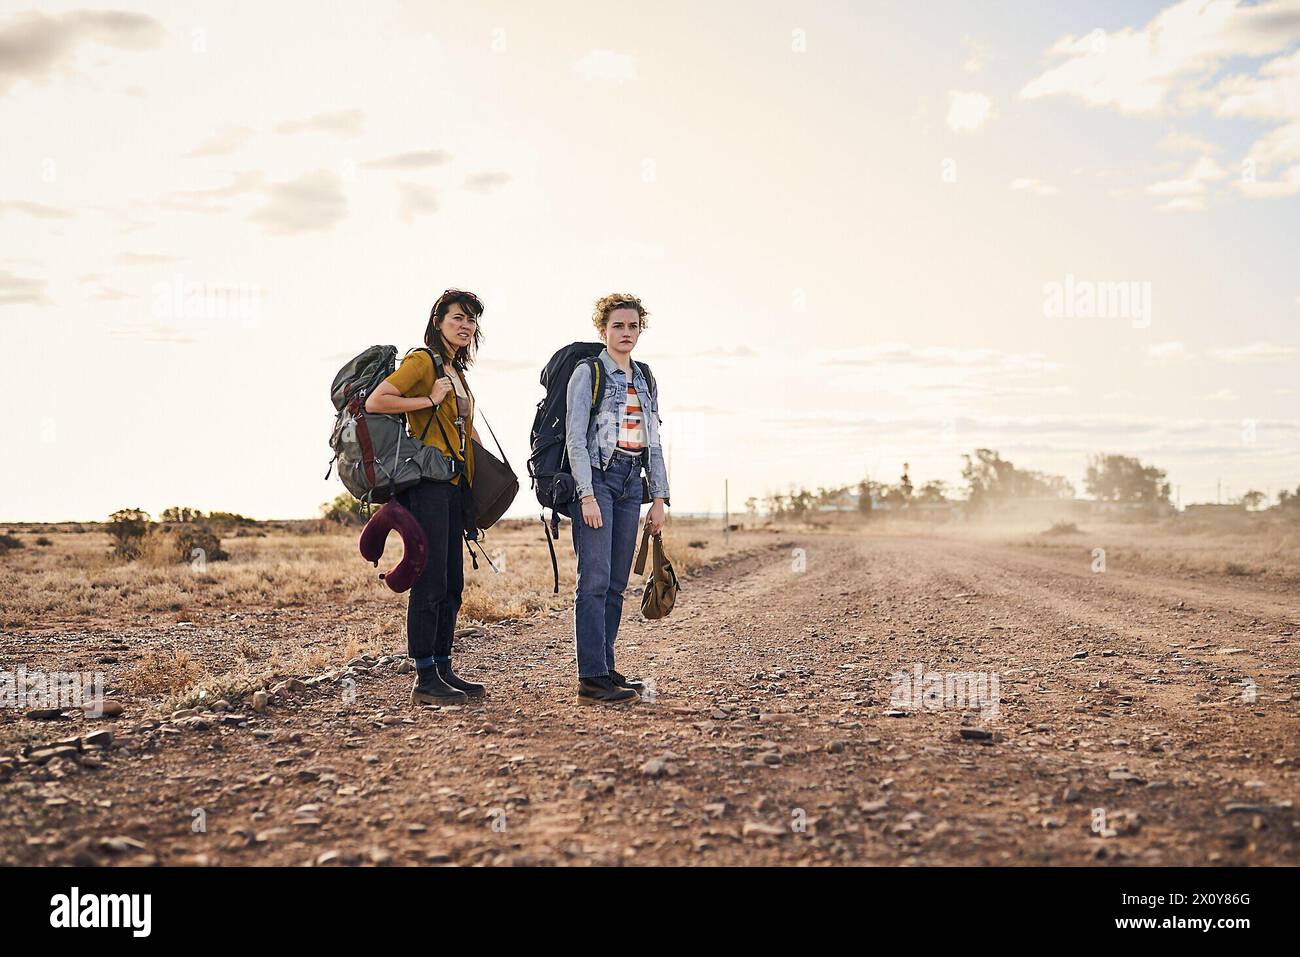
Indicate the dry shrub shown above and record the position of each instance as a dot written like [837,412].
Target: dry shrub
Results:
[480,605]
[231,686]
[127,528]
[163,671]
[1063,528]
[172,545]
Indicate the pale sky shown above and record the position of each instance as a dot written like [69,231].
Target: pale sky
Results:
[849,222]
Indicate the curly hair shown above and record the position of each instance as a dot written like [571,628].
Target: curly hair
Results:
[618,300]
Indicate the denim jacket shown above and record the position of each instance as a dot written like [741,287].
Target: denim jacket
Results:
[591,434]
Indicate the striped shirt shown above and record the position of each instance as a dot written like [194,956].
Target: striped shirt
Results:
[631,426]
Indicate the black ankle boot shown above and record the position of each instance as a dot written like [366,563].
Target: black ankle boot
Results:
[472,689]
[621,682]
[600,690]
[429,688]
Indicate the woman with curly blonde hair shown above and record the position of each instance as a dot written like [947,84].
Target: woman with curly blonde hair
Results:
[609,445]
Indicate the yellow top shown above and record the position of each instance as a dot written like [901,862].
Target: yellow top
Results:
[413,378]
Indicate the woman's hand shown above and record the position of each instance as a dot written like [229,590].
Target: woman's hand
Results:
[591,512]
[655,517]
[441,389]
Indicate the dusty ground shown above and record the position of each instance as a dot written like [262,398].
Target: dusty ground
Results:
[1146,715]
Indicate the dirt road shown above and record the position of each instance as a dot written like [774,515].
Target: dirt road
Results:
[1139,720]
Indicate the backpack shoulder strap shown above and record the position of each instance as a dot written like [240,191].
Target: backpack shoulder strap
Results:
[594,362]
[649,377]
[438,373]
[436,359]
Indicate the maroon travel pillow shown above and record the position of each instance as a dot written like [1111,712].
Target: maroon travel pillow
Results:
[392,517]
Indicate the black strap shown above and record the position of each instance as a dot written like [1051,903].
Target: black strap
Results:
[555,565]
[469,543]
[438,372]
[496,440]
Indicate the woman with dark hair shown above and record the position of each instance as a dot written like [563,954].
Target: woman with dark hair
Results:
[443,509]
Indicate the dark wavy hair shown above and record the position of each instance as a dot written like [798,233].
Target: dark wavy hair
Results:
[472,305]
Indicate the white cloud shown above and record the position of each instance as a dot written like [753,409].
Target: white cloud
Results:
[342,122]
[968,110]
[227,141]
[1037,187]
[606,65]
[313,201]
[38,210]
[1167,66]
[1274,93]
[1255,352]
[894,355]
[1176,142]
[1166,351]
[1188,192]
[978,55]
[1160,65]
[1288,184]
[416,200]
[415,159]
[1191,204]
[19,290]
[486,182]
[33,46]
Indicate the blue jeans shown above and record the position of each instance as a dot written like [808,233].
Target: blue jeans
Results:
[604,562]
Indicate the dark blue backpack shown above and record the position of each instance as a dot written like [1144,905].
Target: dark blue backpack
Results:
[548,461]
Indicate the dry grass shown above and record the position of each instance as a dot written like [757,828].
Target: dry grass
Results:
[163,672]
[1265,551]
[290,601]
[300,600]
[321,603]
[73,583]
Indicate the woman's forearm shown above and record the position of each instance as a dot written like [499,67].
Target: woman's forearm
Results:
[397,403]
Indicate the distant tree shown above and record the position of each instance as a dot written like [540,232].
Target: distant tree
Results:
[1253,500]
[905,485]
[933,492]
[774,504]
[127,528]
[230,518]
[867,491]
[832,497]
[345,509]
[751,506]
[800,503]
[894,495]
[991,478]
[1289,500]
[178,514]
[1120,478]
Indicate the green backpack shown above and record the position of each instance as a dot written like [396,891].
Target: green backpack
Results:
[376,454]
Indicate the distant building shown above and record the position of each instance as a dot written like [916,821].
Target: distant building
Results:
[1214,510]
